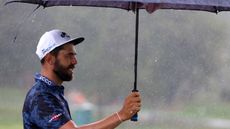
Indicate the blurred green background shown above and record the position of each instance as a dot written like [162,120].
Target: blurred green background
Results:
[183,71]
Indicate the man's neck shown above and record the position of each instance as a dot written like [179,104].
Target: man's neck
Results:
[52,76]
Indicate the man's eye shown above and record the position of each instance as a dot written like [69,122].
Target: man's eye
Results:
[72,55]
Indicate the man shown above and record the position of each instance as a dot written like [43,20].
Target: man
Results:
[45,106]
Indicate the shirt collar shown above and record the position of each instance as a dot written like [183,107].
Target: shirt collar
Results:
[49,83]
[39,77]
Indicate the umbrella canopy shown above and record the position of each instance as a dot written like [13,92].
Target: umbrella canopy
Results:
[150,5]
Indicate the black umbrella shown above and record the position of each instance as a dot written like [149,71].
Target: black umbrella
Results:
[134,5]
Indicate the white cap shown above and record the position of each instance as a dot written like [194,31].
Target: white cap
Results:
[53,39]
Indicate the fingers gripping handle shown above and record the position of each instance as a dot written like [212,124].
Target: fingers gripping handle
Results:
[134,118]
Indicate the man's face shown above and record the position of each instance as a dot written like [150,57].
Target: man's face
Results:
[65,62]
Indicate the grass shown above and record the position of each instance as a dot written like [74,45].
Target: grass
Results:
[207,110]
[11,126]
[11,102]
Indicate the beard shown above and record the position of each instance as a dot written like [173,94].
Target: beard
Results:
[62,71]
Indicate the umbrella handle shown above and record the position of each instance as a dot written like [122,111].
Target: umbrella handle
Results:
[134,118]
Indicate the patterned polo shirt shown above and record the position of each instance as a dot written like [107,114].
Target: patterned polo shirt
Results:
[45,106]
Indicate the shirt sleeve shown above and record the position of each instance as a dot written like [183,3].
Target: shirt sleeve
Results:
[49,112]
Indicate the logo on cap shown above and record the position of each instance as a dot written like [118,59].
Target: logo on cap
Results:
[63,35]
[47,49]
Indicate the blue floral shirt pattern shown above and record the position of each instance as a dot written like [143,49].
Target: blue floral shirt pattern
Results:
[45,106]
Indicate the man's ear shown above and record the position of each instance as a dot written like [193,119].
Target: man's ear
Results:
[50,59]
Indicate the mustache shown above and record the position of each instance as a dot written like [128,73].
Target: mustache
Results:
[71,67]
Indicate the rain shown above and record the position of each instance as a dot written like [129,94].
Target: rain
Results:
[183,65]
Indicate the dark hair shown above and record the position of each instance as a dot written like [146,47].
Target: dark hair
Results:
[53,52]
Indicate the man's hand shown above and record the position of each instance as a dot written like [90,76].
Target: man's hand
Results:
[131,106]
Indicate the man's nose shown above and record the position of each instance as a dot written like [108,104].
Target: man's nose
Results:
[74,60]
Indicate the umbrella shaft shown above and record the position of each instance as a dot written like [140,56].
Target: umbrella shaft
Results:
[135,117]
[136,49]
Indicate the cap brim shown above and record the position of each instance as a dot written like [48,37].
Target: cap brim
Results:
[76,40]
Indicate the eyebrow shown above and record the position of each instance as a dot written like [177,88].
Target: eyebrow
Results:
[69,52]
[72,53]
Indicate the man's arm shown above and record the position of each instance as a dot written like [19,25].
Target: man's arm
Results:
[131,106]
